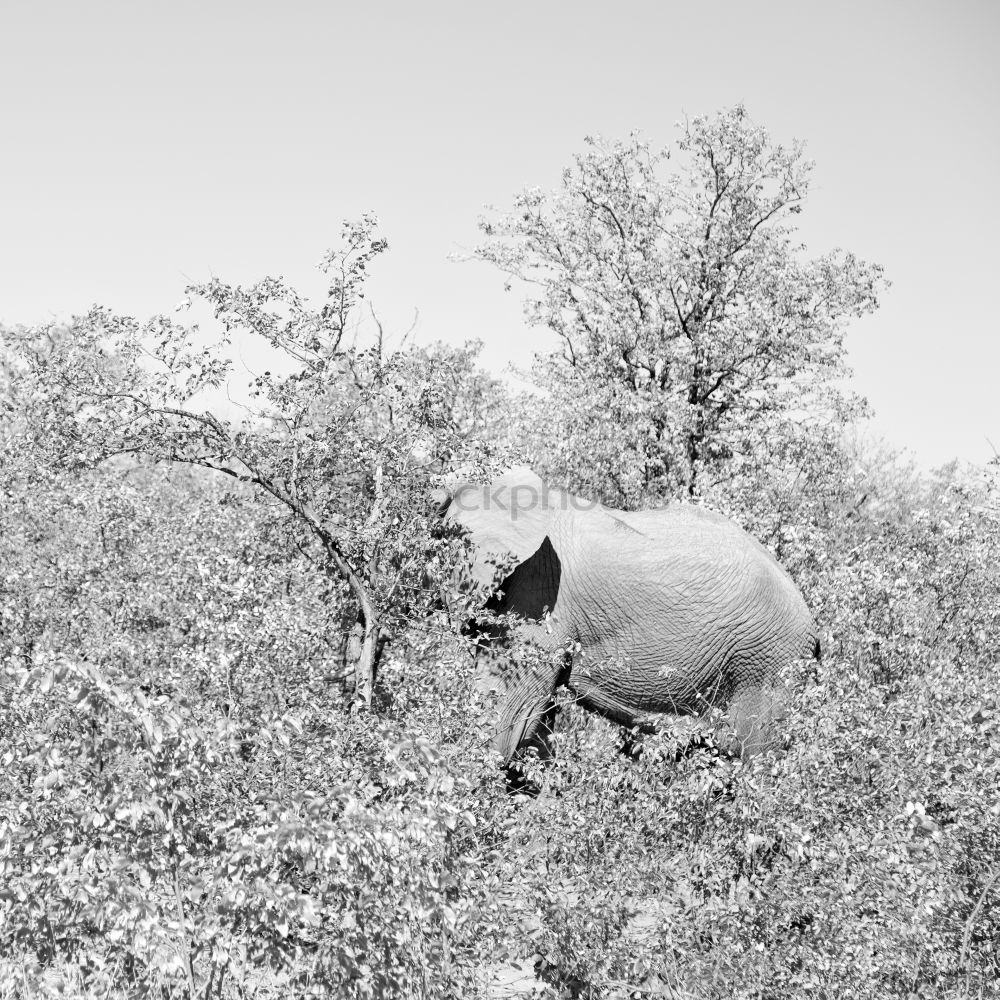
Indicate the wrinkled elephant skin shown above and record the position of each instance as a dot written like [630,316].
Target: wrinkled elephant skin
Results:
[663,613]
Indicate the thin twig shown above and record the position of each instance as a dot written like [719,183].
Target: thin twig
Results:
[967,933]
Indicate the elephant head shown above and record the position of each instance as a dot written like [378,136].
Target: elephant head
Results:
[649,616]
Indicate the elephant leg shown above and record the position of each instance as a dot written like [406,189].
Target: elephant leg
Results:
[524,686]
[538,737]
[631,745]
[591,696]
[750,715]
[753,717]
[596,697]
[537,734]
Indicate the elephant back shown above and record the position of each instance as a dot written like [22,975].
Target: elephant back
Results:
[683,570]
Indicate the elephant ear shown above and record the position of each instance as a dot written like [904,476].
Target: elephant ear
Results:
[508,518]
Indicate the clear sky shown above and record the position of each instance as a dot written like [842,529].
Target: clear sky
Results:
[146,145]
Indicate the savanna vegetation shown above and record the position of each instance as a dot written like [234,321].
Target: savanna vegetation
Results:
[241,756]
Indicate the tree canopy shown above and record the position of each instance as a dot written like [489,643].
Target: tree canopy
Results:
[689,318]
[208,791]
[347,435]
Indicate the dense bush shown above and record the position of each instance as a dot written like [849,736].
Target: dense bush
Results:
[194,802]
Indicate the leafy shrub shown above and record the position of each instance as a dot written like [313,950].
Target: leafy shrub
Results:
[194,802]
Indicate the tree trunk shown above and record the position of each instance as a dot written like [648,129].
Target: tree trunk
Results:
[364,646]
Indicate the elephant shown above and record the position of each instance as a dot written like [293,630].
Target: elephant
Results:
[646,617]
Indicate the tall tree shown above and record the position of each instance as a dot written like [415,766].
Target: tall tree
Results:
[346,435]
[687,312]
